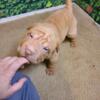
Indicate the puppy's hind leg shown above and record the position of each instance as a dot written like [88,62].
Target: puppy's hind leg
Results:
[73,42]
[72,34]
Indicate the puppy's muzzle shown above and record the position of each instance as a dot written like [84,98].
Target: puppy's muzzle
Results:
[28,51]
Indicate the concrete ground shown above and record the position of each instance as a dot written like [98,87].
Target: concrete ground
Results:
[77,74]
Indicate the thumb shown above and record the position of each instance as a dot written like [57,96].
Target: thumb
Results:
[17,86]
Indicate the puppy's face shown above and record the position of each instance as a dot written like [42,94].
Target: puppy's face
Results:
[34,47]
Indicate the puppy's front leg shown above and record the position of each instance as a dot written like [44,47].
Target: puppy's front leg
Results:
[51,63]
[50,68]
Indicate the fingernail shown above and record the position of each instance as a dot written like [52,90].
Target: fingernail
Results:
[24,60]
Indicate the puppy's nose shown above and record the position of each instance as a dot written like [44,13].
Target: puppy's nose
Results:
[29,50]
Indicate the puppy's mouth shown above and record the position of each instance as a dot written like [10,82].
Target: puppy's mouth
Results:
[31,60]
[28,59]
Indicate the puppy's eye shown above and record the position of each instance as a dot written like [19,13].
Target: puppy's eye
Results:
[30,34]
[46,49]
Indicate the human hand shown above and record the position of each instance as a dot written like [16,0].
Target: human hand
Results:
[8,68]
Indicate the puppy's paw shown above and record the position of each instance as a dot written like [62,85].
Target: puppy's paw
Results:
[73,44]
[50,71]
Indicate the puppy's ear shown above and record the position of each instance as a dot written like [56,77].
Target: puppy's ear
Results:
[29,28]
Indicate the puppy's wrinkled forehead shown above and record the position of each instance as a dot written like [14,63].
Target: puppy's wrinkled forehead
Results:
[36,36]
[35,45]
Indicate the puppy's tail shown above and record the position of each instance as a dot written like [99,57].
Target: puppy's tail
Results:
[69,5]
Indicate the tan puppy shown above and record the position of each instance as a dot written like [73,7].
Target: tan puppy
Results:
[43,39]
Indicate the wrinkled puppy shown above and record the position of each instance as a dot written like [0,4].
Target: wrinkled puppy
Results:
[43,39]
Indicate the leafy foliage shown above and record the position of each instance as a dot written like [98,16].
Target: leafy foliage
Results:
[15,7]
[95,4]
